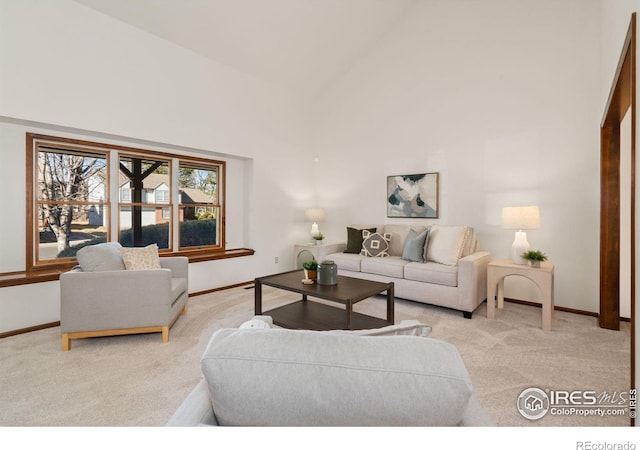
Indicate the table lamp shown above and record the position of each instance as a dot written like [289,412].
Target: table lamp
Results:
[520,218]
[314,215]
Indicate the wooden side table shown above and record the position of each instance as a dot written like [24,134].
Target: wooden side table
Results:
[499,269]
[318,251]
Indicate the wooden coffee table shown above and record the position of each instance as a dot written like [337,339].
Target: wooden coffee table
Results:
[313,315]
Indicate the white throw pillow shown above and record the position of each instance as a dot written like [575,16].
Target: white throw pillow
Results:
[258,323]
[404,328]
[445,244]
[99,257]
[141,258]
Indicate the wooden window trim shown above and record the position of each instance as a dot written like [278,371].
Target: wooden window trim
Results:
[221,179]
[50,270]
[34,143]
[45,274]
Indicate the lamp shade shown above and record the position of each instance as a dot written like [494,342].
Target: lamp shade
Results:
[521,217]
[314,215]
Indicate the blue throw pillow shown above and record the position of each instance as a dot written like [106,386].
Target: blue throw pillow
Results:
[414,246]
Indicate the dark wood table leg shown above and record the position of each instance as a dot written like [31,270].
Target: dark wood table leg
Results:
[304,297]
[257,292]
[349,309]
[390,308]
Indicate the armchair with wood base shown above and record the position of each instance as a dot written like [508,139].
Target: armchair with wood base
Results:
[117,302]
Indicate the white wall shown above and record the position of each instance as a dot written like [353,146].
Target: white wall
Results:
[71,71]
[503,99]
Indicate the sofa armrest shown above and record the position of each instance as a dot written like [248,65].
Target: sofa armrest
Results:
[338,247]
[179,265]
[195,410]
[472,280]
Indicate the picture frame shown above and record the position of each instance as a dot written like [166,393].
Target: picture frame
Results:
[413,195]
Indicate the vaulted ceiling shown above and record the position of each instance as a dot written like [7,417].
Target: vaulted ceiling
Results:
[300,44]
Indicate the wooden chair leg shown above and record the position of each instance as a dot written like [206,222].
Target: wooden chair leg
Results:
[66,342]
[165,334]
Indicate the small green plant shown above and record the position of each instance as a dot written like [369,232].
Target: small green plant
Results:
[318,237]
[534,255]
[310,265]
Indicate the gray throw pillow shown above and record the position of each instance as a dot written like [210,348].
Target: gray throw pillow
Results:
[354,239]
[414,246]
[99,257]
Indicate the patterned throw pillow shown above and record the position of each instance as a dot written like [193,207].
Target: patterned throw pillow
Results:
[375,244]
[141,258]
[354,239]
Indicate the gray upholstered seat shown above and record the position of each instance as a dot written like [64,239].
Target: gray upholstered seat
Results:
[108,300]
[277,377]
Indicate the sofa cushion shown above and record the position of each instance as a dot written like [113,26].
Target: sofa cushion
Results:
[354,239]
[347,380]
[141,258]
[399,235]
[414,245]
[375,244]
[445,244]
[347,261]
[431,272]
[99,257]
[392,266]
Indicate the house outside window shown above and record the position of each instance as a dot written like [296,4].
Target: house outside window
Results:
[125,193]
[199,206]
[69,206]
[162,195]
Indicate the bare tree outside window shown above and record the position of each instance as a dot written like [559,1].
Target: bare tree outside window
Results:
[71,189]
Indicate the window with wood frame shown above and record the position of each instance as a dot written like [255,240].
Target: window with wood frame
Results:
[199,206]
[74,200]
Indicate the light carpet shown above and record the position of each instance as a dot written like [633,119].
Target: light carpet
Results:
[138,381]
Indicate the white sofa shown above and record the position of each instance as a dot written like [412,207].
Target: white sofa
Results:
[453,272]
[393,376]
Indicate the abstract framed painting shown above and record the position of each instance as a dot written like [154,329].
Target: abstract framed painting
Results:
[413,195]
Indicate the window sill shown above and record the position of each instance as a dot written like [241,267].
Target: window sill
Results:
[53,274]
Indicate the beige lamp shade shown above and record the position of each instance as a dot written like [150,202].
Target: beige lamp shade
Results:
[314,215]
[521,217]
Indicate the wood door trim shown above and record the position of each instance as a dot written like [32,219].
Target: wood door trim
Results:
[622,97]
